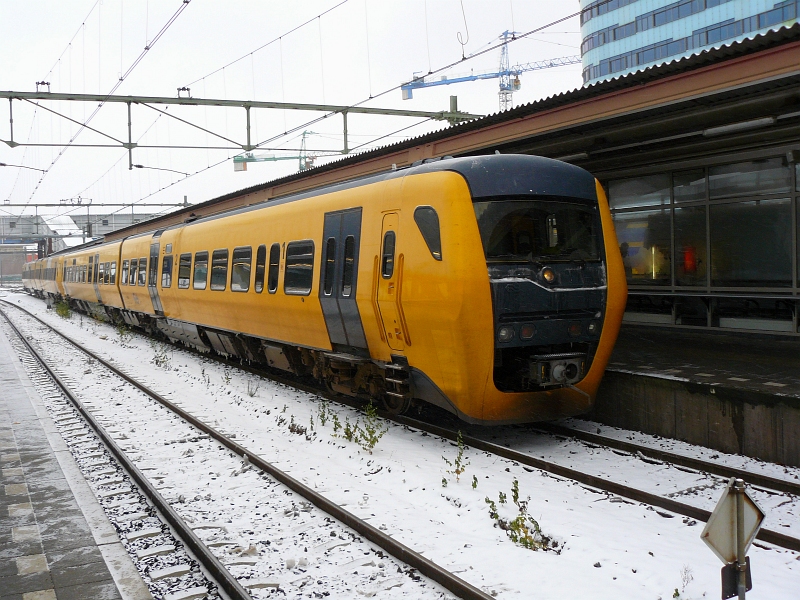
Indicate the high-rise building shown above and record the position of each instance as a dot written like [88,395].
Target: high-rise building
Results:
[623,36]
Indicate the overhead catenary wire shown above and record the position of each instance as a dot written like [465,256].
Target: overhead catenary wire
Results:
[123,76]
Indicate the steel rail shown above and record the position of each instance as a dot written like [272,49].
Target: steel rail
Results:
[765,535]
[397,549]
[214,568]
[765,481]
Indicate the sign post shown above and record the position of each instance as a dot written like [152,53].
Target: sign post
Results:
[729,532]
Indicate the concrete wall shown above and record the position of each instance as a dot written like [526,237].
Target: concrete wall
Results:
[730,420]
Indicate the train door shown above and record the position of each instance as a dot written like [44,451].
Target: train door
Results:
[152,276]
[389,282]
[93,272]
[341,240]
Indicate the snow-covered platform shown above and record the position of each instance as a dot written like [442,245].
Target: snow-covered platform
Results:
[55,540]
[737,393]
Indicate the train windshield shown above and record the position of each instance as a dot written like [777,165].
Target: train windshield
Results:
[538,230]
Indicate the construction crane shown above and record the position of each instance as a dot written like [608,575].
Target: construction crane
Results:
[508,76]
[305,161]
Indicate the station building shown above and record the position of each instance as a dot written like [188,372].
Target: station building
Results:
[701,161]
[624,36]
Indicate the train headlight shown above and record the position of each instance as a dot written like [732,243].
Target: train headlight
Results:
[526,332]
[548,275]
[505,334]
[594,327]
[575,328]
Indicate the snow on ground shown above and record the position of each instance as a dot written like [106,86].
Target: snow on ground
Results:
[610,548]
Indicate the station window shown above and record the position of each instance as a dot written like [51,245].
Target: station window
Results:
[240,269]
[349,265]
[113,278]
[134,268]
[124,272]
[261,263]
[166,272]
[330,266]
[184,271]
[219,269]
[299,275]
[428,222]
[143,271]
[200,271]
[387,262]
[274,266]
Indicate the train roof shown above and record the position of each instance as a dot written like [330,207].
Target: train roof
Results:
[491,176]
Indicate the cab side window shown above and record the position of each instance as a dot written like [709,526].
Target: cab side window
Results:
[200,270]
[428,222]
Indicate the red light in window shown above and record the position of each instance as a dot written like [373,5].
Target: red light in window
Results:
[689,259]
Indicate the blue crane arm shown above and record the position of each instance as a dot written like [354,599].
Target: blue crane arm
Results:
[513,71]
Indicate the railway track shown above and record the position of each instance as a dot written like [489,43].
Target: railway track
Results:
[227,582]
[599,483]
[65,420]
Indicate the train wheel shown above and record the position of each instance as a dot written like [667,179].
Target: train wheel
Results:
[396,405]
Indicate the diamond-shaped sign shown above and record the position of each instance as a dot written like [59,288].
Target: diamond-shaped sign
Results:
[720,531]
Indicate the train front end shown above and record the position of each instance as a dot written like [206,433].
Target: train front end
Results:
[557,284]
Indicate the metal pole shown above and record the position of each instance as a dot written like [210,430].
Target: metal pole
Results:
[130,140]
[11,119]
[741,560]
[346,149]
[247,110]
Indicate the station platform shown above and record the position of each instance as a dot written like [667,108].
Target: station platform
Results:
[55,540]
[738,393]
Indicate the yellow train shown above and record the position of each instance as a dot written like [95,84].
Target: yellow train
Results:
[490,286]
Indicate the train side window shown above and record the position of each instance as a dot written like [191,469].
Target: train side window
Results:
[274,265]
[91,266]
[200,270]
[184,271]
[153,275]
[107,276]
[134,269]
[219,269]
[143,271]
[387,263]
[261,264]
[113,278]
[299,274]
[349,265]
[330,265]
[166,272]
[428,222]
[101,274]
[123,274]
[240,269]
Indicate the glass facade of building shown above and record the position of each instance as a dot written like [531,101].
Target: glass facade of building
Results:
[623,36]
[712,246]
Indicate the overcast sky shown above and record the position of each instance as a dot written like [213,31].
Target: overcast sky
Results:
[356,49]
